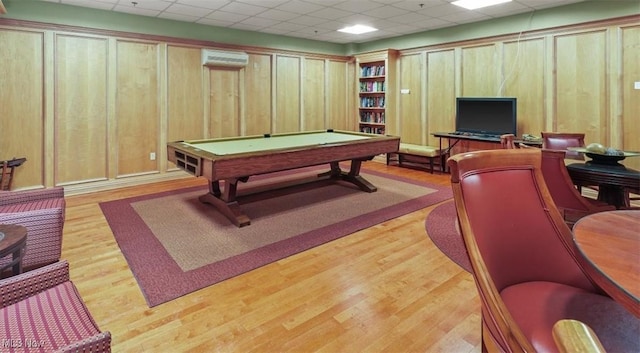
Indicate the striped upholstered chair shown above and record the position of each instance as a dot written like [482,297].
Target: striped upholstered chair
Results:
[42,311]
[42,213]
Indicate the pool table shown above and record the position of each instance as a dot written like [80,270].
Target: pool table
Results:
[238,158]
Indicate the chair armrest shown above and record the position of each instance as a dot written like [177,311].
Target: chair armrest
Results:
[601,205]
[17,288]
[575,336]
[571,216]
[97,343]
[13,197]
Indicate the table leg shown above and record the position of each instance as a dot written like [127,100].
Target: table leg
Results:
[17,260]
[352,177]
[614,195]
[226,202]
[447,152]
[224,199]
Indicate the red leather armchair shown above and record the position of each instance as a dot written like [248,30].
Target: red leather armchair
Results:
[42,311]
[507,141]
[559,141]
[42,213]
[523,257]
[567,198]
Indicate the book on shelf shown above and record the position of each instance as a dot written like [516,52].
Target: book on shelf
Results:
[372,87]
[371,102]
[372,130]
[372,70]
[372,117]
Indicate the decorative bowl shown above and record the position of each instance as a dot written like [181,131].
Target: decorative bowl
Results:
[601,158]
[604,158]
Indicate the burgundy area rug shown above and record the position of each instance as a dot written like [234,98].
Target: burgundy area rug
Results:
[441,226]
[174,244]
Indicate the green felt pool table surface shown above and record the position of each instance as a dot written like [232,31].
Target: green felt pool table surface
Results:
[251,144]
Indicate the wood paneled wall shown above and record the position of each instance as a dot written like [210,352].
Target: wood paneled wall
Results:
[578,79]
[91,111]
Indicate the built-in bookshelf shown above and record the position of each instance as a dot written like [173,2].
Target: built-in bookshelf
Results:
[374,92]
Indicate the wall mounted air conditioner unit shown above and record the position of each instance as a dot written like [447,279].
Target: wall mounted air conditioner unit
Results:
[224,58]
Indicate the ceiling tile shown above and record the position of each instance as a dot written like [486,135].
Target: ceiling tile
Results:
[319,19]
[242,8]
[188,10]
[207,4]
[278,15]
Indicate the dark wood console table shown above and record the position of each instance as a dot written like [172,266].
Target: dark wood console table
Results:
[473,142]
[614,181]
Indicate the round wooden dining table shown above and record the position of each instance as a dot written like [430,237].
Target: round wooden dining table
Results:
[609,243]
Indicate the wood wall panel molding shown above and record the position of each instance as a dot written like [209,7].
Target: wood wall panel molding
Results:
[479,72]
[441,86]
[258,88]
[524,77]
[628,105]
[23,104]
[409,120]
[582,97]
[338,103]
[287,94]
[314,94]
[81,109]
[185,94]
[137,107]
[225,103]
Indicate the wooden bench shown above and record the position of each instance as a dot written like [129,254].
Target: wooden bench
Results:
[418,155]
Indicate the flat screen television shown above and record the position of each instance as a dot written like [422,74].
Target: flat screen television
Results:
[486,115]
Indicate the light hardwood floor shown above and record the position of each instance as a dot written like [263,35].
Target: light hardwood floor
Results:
[383,289]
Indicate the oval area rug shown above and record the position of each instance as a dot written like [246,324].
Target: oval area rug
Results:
[441,227]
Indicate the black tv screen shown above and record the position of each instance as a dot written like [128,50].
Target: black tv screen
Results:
[488,116]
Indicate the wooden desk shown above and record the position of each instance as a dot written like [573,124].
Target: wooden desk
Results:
[610,246]
[614,181]
[13,239]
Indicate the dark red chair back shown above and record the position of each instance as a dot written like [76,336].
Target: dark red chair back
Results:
[560,141]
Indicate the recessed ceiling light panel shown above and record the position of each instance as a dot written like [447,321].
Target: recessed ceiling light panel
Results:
[357,29]
[476,4]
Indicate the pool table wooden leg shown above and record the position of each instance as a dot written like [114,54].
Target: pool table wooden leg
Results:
[214,188]
[226,202]
[353,176]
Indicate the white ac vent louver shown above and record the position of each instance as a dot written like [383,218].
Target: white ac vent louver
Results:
[224,58]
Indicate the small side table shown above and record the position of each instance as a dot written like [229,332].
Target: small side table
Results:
[13,240]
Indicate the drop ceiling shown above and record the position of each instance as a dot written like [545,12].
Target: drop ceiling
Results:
[319,19]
